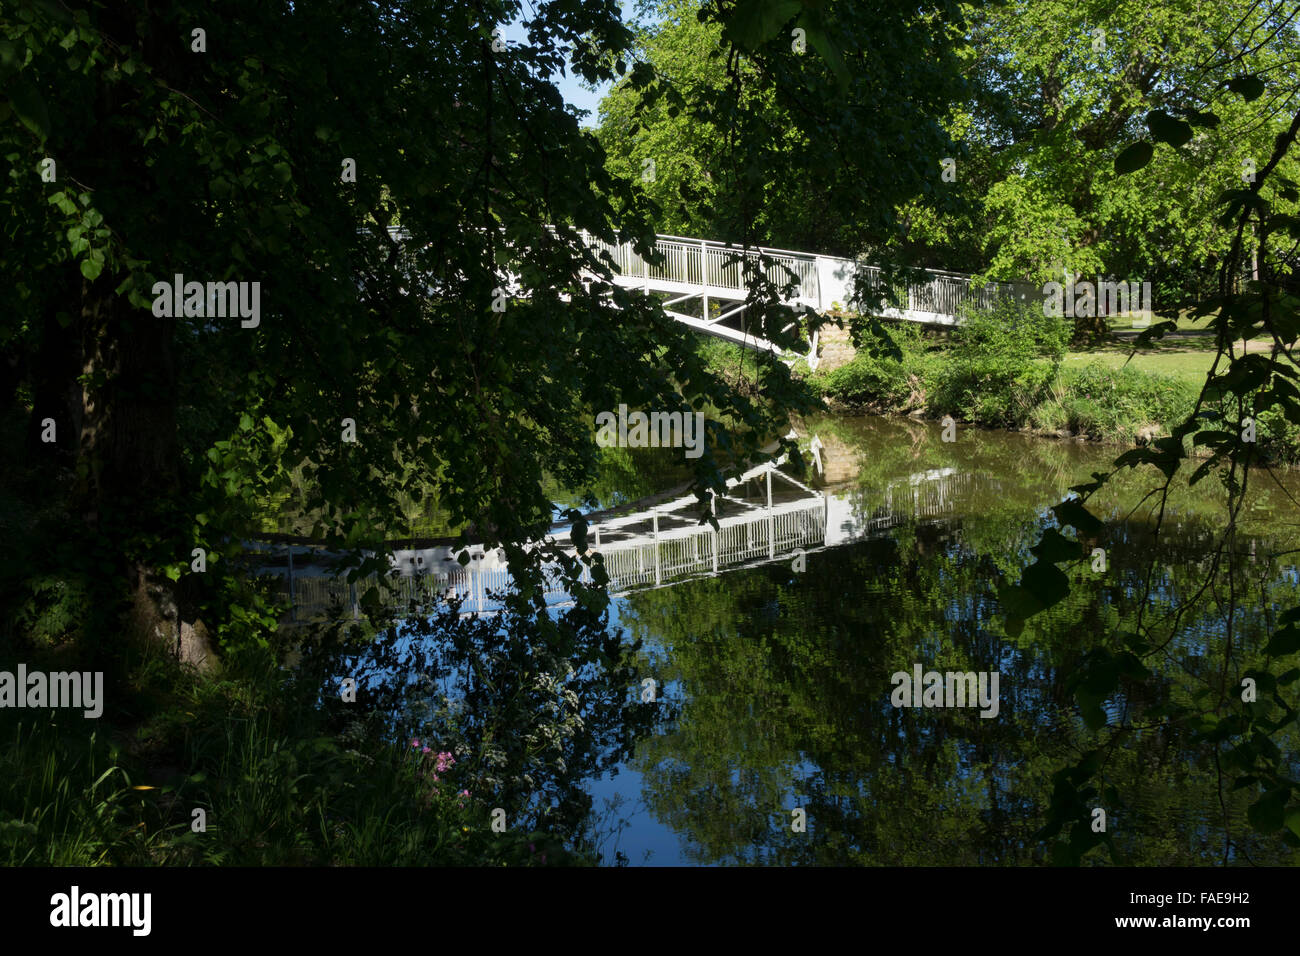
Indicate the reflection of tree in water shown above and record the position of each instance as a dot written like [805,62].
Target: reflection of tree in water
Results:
[793,708]
[531,705]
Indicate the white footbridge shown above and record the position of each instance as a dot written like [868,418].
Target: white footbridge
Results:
[713,272]
[707,289]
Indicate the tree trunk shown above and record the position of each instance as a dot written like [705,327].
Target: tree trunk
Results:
[1090,330]
[55,365]
[130,481]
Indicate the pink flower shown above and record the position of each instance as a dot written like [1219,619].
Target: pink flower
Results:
[463,793]
[415,741]
[425,750]
[445,761]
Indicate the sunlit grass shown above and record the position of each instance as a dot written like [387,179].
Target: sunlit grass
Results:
[1186,365]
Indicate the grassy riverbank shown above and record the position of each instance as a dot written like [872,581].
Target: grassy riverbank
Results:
[244,770]
[1016,371]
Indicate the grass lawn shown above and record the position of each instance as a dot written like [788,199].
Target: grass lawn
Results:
[1123,322]
[1187,359]
[1187,364]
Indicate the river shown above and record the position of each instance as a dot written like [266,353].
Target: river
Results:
[774,734]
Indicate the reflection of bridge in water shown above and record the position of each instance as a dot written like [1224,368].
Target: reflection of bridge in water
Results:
[766,516]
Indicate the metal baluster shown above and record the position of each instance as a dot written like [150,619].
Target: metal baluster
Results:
[704,277]
[656,547]
[771,522]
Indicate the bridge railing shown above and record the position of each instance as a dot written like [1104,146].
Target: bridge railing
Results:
[312,597]
[650,551]
[710,265]
[740,540]
[645,559]
[947,294]
[718,269]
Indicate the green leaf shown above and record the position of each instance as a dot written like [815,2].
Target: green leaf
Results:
[1201,471]
[1074,514]
[1214,437]
[1203,120]
[754,22]
[1055,547]
[1250,86]
[30,108]
[1133,157]
[91,268]
[60,199]
[1165,129]
[815,28]
[1285,641]
[1046,582]
[1292,820]
[1267,813]
[1130,666]
[1018,604]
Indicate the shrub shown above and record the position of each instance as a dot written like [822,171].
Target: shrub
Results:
[1279,439]
[885,371]
[1103,402]
[1001,364]
[1013,330]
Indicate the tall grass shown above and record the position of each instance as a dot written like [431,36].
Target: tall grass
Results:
[279,779]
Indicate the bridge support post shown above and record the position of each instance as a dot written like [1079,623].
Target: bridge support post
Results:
[713,510]
[656,543]
[704,277]
[771,519]
[826,519]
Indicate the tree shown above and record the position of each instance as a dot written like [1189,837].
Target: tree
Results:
[1240,716]
[272,145]
[1058,89]
[784,121]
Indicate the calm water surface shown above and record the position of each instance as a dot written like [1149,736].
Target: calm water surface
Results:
[775,688]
